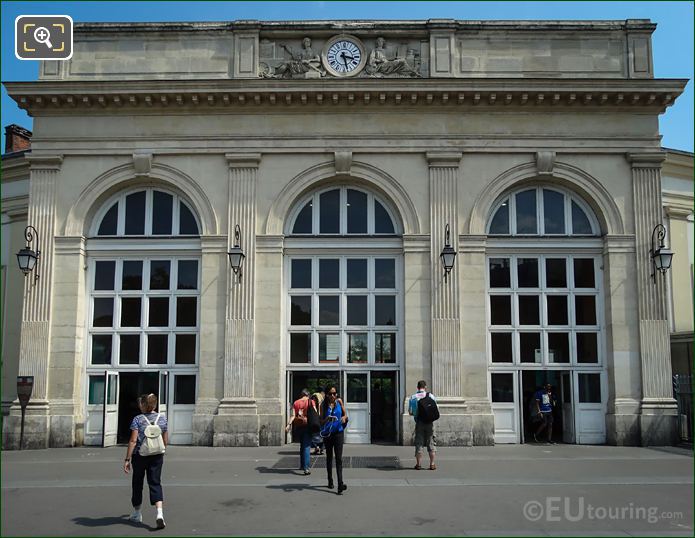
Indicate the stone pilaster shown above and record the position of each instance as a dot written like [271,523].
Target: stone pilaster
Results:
[34,342]
[446,383]
[238,419]
[658,409]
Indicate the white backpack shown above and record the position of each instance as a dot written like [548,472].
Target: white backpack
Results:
[153,443]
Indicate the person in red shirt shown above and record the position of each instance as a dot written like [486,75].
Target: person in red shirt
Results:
[298,419]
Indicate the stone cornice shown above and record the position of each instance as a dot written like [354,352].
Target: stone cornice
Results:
[63,97]
[45,162]
[646,160]
[243,160]
[449,159]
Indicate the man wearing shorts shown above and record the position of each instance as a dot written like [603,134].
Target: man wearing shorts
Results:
[424,431]
[545,401]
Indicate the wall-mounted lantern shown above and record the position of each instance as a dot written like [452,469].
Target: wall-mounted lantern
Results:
[660,255]
[27,258]
[448,254]
[236,254]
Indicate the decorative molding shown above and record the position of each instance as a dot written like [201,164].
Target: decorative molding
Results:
[46,97]
[343,162]
[545,162]
[243,160]
[45,162]
[443,158]
[646,160]
[142,163]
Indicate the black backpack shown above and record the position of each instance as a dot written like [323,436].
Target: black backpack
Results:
[427,410]
[313,419]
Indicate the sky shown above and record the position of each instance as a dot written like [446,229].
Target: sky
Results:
[672,42]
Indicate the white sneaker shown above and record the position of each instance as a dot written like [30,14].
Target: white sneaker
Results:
[160,522]
[136,517]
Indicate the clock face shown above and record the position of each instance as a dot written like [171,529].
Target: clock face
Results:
[344,57]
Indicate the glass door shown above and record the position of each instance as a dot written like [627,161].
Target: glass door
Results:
[356,398]
[110,422]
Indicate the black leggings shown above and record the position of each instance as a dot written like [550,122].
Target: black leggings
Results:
[334,443]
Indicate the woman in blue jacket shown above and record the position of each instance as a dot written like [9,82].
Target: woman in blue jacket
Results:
[333,424]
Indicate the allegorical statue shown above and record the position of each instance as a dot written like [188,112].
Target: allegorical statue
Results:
[378,65]
[300,62]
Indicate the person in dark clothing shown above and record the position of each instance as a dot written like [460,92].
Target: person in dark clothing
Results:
[335,418]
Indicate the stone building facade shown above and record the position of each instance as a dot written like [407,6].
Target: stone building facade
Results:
[342,157]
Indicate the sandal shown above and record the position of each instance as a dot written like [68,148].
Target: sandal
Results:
[433,467]
[417,467]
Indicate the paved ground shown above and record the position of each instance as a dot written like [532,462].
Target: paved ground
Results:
[502,490]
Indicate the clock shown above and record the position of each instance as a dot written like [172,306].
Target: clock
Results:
[344,56]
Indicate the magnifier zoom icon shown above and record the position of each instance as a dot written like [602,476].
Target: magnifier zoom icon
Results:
[43,36]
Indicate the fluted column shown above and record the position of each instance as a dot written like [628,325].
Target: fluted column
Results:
[658,405]
[34,352]
[238,372]
[446,323]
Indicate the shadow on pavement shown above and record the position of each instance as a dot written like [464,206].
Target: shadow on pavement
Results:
[109,521]
[302,487]
[265,470]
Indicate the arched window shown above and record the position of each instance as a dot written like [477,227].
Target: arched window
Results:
[542,210]
[146,212]
[342,211]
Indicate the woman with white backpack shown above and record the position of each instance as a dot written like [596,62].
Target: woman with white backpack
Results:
[148,440]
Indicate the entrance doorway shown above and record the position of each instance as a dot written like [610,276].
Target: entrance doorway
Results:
[371,398]
[531,382]
[132,385]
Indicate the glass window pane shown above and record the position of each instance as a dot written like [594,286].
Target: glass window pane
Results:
[185,349]
[555,273]
[109,224]
[131,310]
[96,390]
[187,223]
[357,310]
[301,274]
[501,347]
[132,275]
[529,311]
[502,387]
[530,347]
[500,310]
[300,347]
[499,273]
[104,273]
[186,311]
[587,347]
[500,222]
[329,347]
[157,348]
[357,347]
[526,212]
[162,204]
[357,388]
[558,347]
[357,273]
[385,348]
[329,310]
[159,312]
[329,274]
[585,309]
[356,212]
[589,388]
[329,216]
[103,312]
[382,220]
[129,349]
[184,389]
[580,222]
[384,310]
[527,272]
[111,397]
[135,213]
[584,273]
[187,275]
[300,310]
[385,273]
[101,349]
[303,222]
[557,310]
[159,274]
[553,212]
